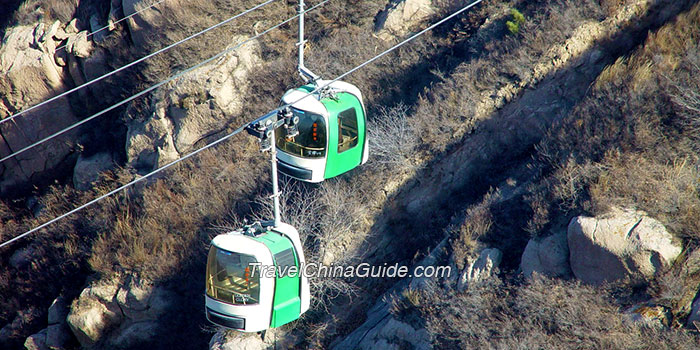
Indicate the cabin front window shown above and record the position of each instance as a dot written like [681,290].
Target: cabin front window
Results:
[311,141]
[230,277]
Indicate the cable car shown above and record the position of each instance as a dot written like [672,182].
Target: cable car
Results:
[243,292]
[332,132]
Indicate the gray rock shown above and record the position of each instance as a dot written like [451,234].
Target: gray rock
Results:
[28,76]
[57,336]
[623,243]
[79,45]
[39,32]
[401,16]
[239,341]
[88,169]
[484,267]
[36,341]
[58,311]
[548,256]
[50,32]
[115,12]
[72,27]
[190,110]
[122,312]
[61,34]
[95,313]
[146,27]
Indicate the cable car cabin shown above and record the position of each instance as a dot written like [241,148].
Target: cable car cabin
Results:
[243,292]
[332,133]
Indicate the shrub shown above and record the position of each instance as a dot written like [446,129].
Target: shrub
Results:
[392,139]
[517,20]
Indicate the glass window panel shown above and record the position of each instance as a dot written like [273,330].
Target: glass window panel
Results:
[230,277]
[347,130]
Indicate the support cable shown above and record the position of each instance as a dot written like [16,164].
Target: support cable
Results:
[224,138]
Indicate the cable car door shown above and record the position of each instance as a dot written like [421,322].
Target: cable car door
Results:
[346,134]
[286,306]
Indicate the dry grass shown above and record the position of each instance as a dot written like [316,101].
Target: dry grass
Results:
[543,314]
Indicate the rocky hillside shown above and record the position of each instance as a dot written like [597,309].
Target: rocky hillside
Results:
[546,151]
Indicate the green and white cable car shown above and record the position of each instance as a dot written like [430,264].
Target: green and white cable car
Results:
[254,280]
[332,132]
[331,123]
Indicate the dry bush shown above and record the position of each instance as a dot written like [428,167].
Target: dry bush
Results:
[475,225]
[544,314]
[324,216]
[667,191]
[392,140]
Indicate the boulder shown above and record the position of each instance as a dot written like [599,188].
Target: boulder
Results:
[95,313]
[79,45]
[122,312]
[620,244]
[36,341]
[88,169]
[196,106]
[58,332]
[548,256]
[484,267]
[72,27]
[402,16]
[29,75]
[58,311]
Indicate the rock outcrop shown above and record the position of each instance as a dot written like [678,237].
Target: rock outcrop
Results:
[623,243]
[118,313]
[401,16]
[37,63]
[548,256]
[189,110]
[29,75]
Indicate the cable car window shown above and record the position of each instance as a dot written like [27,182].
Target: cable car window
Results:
[311,141]
[230,277]
[347,130]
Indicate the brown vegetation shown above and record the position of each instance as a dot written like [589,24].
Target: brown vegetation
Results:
[629,141]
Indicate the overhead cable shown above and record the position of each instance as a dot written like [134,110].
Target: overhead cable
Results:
[228,136]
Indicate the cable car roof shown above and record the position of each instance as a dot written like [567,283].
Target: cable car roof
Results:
[301,100]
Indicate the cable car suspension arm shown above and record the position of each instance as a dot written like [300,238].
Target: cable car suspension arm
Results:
[264,129]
